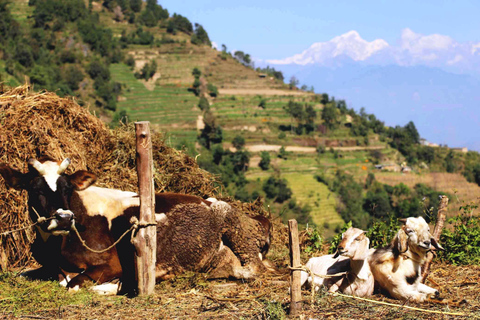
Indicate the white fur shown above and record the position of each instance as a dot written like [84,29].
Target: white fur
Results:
[391,269]
[65,281]
[106,288]
[221,208]
[160,218]
[353,252]
[109,203]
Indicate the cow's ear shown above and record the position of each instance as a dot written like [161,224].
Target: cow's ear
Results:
[13,178]
[82,179]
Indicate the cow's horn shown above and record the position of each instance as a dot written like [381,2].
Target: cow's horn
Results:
[63,166]
[37,165]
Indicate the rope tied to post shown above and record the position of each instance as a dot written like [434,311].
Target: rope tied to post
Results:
[313,275]
[135,225]
[39,220]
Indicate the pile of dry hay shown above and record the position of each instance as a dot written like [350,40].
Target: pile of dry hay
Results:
[35,124]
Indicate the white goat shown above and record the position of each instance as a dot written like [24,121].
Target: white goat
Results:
[350,258]
[397,267]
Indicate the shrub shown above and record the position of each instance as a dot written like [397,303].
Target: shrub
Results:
[263,103]
[277,189]
[338,237]
[196,72]
[203,104]
[200,36]
[238,142]
[264,163]
[212,90]
[313,242]
[148,70]
[282,153]
[130,61]
[462,244]
[73,76]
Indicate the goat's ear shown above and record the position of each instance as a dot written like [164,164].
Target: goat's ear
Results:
[363,249]
[82,179]
[13,178]
[436,245]
[401,240]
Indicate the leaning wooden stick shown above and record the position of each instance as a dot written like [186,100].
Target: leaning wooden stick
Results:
[441,215]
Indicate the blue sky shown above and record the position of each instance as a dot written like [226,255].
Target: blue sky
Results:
[278,29]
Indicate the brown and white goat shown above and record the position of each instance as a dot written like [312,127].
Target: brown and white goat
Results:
[351,256]
[397,268]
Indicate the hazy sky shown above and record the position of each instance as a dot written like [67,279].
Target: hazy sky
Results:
[276,29]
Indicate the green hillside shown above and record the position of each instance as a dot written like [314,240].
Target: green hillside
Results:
[130,60]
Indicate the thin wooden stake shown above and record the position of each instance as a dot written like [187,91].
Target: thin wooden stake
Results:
[295,289]
[441,215]
[145,240]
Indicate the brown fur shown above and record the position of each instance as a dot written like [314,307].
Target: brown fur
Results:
[247,238]
[189,240]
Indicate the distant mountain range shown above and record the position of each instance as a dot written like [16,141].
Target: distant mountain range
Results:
[432,80]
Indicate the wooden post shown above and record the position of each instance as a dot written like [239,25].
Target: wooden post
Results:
[441,216]
[295,289]
[145,240]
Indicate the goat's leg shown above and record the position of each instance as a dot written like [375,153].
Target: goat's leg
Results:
[431,292]
[406,291]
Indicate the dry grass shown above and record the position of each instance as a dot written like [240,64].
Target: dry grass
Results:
[36,124]
[191,296]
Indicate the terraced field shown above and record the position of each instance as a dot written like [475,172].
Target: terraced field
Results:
[462,191]
[166,107]
[308,190]
[21,10]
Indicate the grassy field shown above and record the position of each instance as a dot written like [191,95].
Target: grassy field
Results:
[462,191]
[307,190]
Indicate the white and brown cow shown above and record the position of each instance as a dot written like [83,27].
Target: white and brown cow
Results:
[193,234]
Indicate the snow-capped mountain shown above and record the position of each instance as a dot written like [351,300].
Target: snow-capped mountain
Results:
[349,44]
[432,80]
[412,49]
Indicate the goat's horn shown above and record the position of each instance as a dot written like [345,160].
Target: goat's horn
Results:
[37,165]
[63,166]
[403,220]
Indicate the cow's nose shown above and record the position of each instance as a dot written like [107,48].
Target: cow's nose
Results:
[64,216]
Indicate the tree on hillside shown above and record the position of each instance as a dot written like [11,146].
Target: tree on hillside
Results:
[330,117]
[243,58]
[180,23]
[277,189]
[293,82]
[136,5]
[238,142]
[412,132]
[212,133]
[9,27]
[264,163]
[148,70]
[295,110]
[200,36]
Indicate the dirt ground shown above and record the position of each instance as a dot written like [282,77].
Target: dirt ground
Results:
[193,297]
[266,147]
[262,92]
